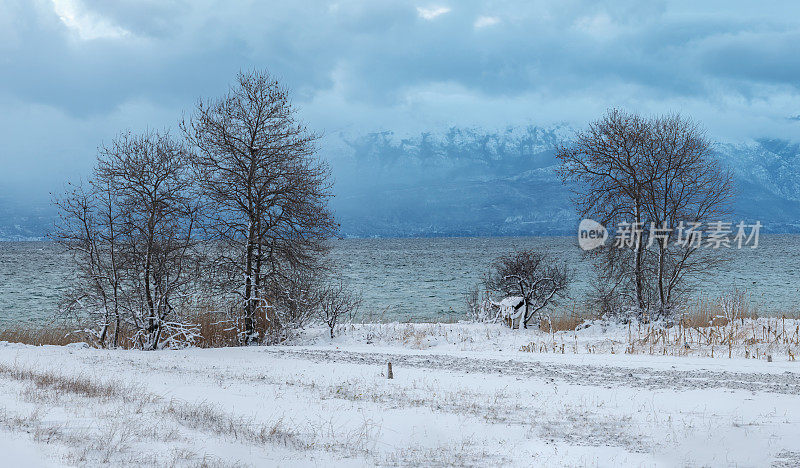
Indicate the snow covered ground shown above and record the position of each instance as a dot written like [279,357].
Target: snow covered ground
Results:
[462,394]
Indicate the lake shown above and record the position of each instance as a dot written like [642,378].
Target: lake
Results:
[419,279]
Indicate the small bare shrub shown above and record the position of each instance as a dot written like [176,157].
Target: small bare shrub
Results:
[536,278]
[480,308]
[338,302]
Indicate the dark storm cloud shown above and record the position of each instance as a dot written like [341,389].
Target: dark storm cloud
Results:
[85,69]
[379,50]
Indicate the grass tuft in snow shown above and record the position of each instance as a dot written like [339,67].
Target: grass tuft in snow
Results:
[81,386]
[207,418]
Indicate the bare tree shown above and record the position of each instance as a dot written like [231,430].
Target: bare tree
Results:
[659,176]
[90,228]
[607,160]
[150,175]
[337,301]
[685,186]
[295,295]
[131,233]
[534,277]
[257,170]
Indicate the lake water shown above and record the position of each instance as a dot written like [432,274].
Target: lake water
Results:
[419,279]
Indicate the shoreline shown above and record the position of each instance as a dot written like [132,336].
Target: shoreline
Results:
[765,339]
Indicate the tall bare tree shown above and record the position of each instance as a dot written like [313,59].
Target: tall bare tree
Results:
[607,160]
[257,168]
[659,175]
[150,174]
[91,228]
[132,234]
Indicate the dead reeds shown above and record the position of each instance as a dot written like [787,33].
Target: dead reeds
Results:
[39,335]
[565,320]
[210,330]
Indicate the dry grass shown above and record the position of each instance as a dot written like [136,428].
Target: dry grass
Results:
[214,330]
[129,420]
[565,320]
[207,418]
[720,311]
[726,326]
[757,338]
[41,335]
[701,312]
[66,384]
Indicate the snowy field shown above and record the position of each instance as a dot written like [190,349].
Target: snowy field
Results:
[462,394]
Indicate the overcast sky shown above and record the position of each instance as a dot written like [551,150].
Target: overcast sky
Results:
[75,72]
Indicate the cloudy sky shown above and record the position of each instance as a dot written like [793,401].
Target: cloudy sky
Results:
[75,72]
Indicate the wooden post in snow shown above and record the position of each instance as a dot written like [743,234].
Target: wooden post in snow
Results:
[389,374]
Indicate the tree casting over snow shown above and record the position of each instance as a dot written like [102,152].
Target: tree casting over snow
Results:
[245,197]
[131,230]
[658,175]
[266,190]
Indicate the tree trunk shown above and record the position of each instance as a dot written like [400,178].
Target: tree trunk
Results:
[525,316]
[116,329]
[249,326]
[156,338]
[257,279]
[661,293]
[103,334]
[524,319]
[638,266]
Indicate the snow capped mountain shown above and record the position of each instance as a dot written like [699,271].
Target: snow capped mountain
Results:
[460,182]
[767,176]
[771,164]
[477,182]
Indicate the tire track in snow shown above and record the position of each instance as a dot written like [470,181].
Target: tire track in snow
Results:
[787,383]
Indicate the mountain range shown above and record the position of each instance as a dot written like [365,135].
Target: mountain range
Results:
[470,182]
[475,182]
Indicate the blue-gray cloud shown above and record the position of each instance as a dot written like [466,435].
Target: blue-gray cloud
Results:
[74,72]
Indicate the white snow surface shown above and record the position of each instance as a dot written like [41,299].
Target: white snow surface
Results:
[462,395]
